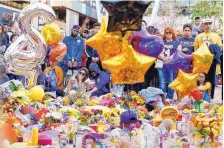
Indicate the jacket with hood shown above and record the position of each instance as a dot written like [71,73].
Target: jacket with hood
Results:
[101,80]
[75,48]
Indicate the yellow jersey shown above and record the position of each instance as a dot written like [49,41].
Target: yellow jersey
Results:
[209,38]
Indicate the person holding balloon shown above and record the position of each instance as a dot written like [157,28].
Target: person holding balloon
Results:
[166,75]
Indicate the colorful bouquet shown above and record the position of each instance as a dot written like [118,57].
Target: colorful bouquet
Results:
[206,127]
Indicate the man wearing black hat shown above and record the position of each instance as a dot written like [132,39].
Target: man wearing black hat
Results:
[92,54]
[75,48]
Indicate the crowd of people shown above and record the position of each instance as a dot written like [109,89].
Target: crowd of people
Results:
[81,68]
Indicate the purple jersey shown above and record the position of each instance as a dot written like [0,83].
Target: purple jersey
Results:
[170,47]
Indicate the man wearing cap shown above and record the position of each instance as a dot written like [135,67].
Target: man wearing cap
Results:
[92,54]
[207,36]
[214,43]
[75,48]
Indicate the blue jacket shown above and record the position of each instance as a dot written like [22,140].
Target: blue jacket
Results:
[75,48]
[216,51]
[101,80]
[91,52]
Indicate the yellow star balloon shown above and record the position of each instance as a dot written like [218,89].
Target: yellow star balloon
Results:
[202,59]
[184,83]
[128,67]
[108,44]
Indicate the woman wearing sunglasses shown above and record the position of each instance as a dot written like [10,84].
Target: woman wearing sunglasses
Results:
[79,81]
[166,75]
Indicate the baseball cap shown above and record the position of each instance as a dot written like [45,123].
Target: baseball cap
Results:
[206,21]
[76,27]
[128,117]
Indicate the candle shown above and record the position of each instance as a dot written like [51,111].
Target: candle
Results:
[34,136]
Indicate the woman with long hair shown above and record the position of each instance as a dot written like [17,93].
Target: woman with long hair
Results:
[80,80]
[166,74]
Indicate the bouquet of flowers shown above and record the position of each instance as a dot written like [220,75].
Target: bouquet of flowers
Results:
[53,117]
[206,127]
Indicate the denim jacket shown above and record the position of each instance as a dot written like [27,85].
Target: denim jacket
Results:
[75,48]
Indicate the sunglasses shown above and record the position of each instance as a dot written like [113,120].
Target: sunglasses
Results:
[168,32]
[92,72]
[81,73]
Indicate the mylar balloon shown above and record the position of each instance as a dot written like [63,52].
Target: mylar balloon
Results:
[180,61]
[108,44]
[143,42]
[202,59]
[51,33]
[184,83]
[125,15]
[128,67]
[36,93]
[25,62]
[57,53]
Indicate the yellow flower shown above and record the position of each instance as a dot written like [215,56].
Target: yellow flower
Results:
[66,100]
[107,115]
[140,100]
[115,112]
[141,115]
[79,101]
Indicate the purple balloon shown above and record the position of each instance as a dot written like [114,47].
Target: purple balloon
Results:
[143,42]
[180,61]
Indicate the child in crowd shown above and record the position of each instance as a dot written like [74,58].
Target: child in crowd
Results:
[204,86]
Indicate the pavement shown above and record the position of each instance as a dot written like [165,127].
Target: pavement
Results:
[218,94]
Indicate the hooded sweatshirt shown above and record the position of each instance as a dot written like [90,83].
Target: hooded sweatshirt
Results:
[101,80]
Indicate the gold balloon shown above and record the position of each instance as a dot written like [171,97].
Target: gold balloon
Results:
[128,67]
[202,59]
[51,33]
[184,83]
[107,44]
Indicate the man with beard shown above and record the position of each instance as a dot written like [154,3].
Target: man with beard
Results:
[75,48]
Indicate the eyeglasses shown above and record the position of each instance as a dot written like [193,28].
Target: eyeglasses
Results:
[168,32]
[81,73]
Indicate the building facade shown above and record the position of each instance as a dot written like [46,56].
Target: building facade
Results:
[68,13]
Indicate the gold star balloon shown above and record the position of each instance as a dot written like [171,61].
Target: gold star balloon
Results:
[202,59]
[184,83]
[128,67]
[107,44]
